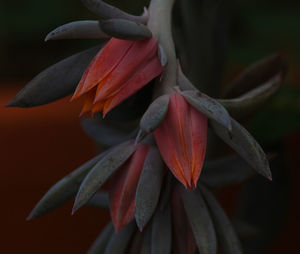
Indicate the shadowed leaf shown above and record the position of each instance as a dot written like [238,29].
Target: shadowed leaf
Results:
[229,241]
[108,132]
[55,82]
[100,243]
[245,145]
[99,200]
[125,29]
[209,107]
[119,242]
[244,229]
[225,171]
[251,101]
[200,221]
[63,190]
[149,187]
[161,239]
[102,171]
[256,75]
[83,29]
[155,114]
[106,11]
[146,245]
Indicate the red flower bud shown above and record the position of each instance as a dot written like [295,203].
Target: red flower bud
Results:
[181,139]
[118,71]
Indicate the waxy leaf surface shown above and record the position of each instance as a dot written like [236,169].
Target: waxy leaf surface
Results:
[55,82]
[83,29]
[200,221]
[102,171]
[228,239]
[245,145]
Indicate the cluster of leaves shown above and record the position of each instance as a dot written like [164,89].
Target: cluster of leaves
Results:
[163,209]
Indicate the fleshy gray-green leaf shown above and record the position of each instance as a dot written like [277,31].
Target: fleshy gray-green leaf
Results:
[149,187]
[200,221]
[55,82]
[99,200]
[64,190]
[225,171]
[209,107]
[228,239]
[106,11]
[245,145]
[125,29]
[119,242]
[102,171]
[83,29]
[251,101]
[155,114]
[100,243]
[161,239]
[256,75]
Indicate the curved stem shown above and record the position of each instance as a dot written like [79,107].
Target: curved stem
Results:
[160,12]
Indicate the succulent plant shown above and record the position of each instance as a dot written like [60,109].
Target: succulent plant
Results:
[160,196]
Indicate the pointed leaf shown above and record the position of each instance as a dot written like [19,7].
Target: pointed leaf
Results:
[245,145]
[106,11]
[155,114]
[125,29]
[99,200]
[209,107]
[251,101]
[64,190]
[108,132]
[149,187]
[102,171]
[161,239]
[100,243]
[55,82]
[83,29]
[200,221]
[123,188]
[119,242]
[226,171]
[229,241]
[257,74]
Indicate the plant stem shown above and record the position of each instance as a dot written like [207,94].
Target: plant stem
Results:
[159,23]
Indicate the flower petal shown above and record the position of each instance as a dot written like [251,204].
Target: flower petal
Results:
[103,63]
[123,188]
[181,139]
[139,54]
[142,77]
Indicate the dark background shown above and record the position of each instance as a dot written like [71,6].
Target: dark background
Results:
[41,145]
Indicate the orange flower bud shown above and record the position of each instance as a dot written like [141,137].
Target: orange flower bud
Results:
[181,139]
[118,71]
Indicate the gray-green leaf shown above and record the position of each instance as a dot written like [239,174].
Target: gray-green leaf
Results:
[225,232]
[245,145]
[119,242]
[149,187]
[209,107]
[200,221]
[100,243]
[83,29]
[63,190]
[251,101]
[55,82]
[155,114]
[102,171]
[99,200]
